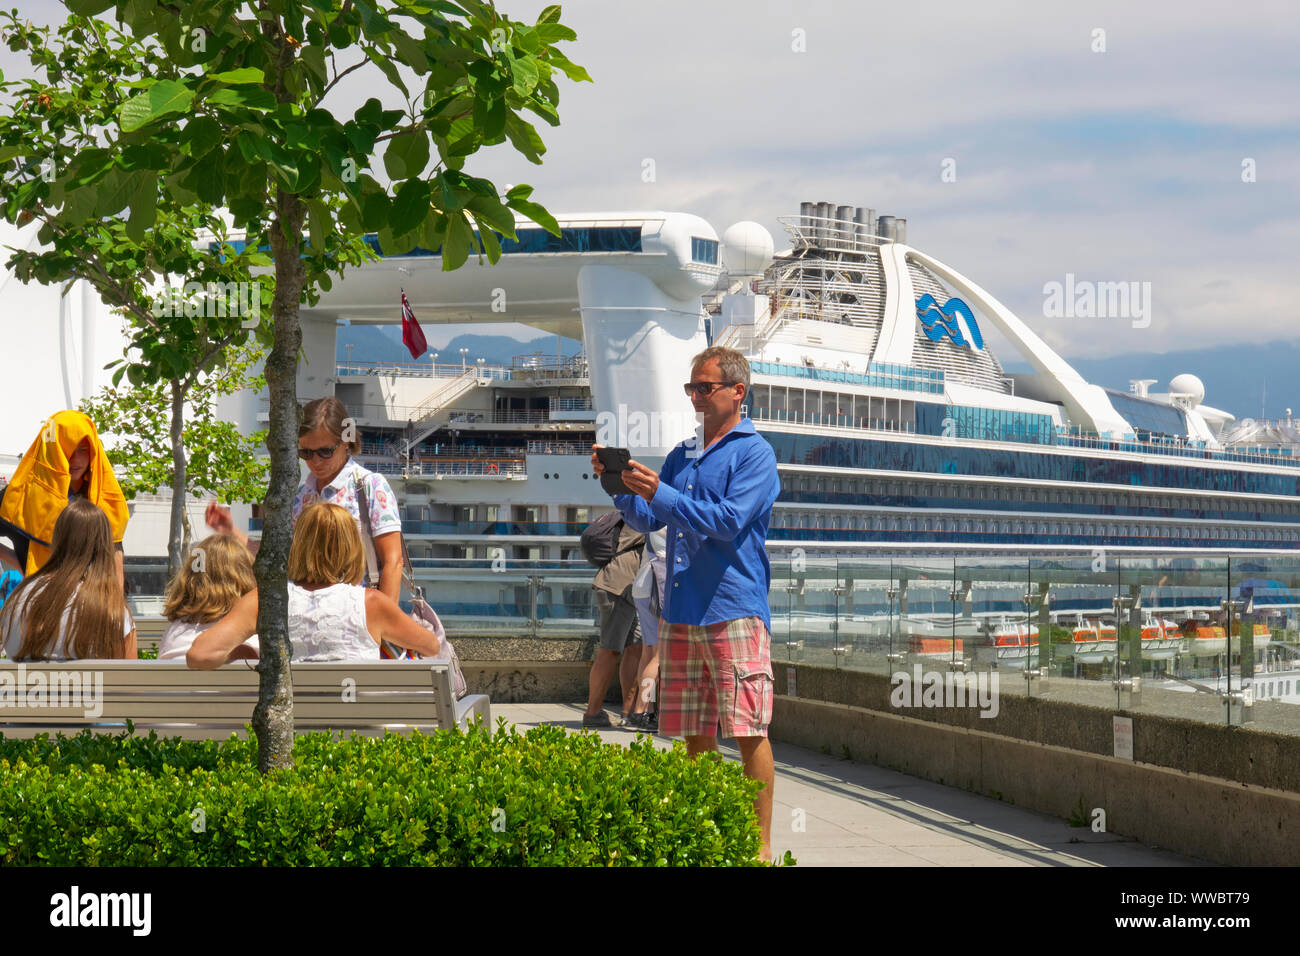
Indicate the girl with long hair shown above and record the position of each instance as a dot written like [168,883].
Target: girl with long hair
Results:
[332,616]
[73,607]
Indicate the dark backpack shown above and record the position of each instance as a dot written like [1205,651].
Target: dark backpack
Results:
[599,542]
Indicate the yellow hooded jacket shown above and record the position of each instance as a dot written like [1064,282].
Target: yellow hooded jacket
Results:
[38,491]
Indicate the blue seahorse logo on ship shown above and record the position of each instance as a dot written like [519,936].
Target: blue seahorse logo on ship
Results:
[953,319]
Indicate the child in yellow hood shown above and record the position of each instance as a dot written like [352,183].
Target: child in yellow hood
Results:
[66,461]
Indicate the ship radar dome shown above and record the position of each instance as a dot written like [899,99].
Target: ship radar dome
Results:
[1189,385]
[748,249]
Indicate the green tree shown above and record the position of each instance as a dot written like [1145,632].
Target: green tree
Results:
[219,460]
[233,115]
[183,304]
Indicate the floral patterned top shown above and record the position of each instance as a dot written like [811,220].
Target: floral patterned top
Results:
[384,516]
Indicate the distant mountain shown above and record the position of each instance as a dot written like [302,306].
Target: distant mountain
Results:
[1236,377]
[383,344]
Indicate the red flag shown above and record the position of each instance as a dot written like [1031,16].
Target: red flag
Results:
[412,334]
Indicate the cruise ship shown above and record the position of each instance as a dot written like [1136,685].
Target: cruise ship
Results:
[895,426]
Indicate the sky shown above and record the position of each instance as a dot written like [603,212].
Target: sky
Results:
[1107,141]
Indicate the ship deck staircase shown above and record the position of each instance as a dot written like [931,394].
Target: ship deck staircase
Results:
[431,414]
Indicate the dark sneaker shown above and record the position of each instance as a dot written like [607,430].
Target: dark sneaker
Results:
[634,722]
[598,719]
[650,723]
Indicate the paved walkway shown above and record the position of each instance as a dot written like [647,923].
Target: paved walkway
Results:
[860,815]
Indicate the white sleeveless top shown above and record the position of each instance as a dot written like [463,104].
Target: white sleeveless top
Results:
[330,624]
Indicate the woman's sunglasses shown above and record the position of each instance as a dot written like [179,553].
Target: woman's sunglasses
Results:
[321,453]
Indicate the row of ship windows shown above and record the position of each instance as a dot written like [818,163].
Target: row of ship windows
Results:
[806,521]
[818,489]
[821,451]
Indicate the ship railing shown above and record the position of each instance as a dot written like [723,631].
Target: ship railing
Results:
[558,448]
[419,370]
[800,417]
[452,468]
[567,529]
[1174,448]
[830,233]
[571,404]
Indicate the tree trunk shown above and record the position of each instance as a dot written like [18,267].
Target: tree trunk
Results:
[174,544]
[273,716]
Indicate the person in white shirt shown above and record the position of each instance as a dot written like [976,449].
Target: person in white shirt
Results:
[327,440]
[331,616]
[74,607]
[215,574]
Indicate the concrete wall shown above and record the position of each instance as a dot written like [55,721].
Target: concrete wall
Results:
[1224,794]
[1244,754]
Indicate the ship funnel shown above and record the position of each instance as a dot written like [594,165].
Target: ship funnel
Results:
[844,230]
[806,212]
[864,219]
[824,212]
[900,230]
[885,228]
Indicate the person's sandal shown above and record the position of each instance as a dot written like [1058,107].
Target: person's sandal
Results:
[598,719]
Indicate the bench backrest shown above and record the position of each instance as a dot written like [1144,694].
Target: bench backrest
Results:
[168,697]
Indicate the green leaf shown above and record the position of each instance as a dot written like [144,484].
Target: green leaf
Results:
[455,247]
[144,207]
[491,245]
[374,211]
[314,58]
[407,155]
[162,99]
[525,138]
[410,206]
[536,213]
[526,75]
[89,8]
[201,134]
[249,97]
[494,213]
[554,32]
[246,74]
[319,222]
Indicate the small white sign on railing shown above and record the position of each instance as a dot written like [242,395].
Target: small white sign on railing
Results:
[1123,728]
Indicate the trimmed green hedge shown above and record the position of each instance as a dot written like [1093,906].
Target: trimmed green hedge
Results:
[542,798]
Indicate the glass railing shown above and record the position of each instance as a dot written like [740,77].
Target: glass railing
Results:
[1146,634]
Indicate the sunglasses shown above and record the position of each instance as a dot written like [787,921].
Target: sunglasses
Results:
[322,453]
[704,389]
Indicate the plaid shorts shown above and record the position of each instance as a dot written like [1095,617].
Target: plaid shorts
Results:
[715,673]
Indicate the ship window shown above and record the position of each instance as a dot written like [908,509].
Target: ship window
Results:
[704,250]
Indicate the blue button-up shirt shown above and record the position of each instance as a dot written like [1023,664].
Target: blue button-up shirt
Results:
[716,506]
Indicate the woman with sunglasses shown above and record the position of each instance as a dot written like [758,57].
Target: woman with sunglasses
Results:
[327,440]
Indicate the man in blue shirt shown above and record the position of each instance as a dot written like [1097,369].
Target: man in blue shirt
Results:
[715,496]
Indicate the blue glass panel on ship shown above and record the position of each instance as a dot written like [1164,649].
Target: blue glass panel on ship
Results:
[577,239]
[1147,416]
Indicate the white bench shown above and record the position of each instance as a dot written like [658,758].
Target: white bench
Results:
[367,697]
